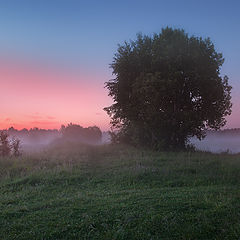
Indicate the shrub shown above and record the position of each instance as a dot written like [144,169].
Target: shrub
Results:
[8,146]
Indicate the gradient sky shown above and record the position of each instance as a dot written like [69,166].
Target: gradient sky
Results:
[55,54]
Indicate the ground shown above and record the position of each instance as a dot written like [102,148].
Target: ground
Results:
[119,192]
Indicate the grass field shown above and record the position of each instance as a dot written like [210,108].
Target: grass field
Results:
[118,192]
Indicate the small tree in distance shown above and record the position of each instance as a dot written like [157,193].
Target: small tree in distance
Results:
[167,88]
[16,147]
[8,146]
[5,146]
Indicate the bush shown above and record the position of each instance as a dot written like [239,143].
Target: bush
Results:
[8,146]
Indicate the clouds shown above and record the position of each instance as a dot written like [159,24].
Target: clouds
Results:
[34,116]
[43,120]
[30,121]
[45,123]
[51,117]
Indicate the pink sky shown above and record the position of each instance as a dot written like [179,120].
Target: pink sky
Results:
[46,97]
[38,95]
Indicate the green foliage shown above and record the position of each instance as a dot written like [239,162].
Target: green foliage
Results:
[167,88]
[119,192]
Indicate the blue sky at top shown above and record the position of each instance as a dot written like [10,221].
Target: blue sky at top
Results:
[87,32]
[84,34]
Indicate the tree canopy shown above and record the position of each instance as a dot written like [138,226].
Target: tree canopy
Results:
[78,133]
[167,88]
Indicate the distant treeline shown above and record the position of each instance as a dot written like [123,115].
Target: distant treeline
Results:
[73,132]
[235,132]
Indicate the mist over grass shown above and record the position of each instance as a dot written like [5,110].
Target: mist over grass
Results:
[211,143]
[35,139]
[215,144]
[227,140]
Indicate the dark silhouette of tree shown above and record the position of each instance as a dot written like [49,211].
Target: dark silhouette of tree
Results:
[8,146]
[15,144]
[77,133]
[167,88]
[5,147]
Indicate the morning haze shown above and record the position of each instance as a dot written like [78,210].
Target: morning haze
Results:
[119,120]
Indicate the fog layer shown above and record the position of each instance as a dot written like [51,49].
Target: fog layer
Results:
[218,143]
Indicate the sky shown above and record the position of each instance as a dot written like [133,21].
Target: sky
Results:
[55,54]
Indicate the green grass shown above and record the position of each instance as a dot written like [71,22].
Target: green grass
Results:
[118,192]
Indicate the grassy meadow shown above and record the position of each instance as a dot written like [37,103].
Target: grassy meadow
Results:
[118,192]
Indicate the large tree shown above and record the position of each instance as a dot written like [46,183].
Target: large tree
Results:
[167,88]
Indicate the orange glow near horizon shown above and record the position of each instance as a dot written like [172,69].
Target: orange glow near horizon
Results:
[44,97]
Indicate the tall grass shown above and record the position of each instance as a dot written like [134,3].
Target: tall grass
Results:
[125,160]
